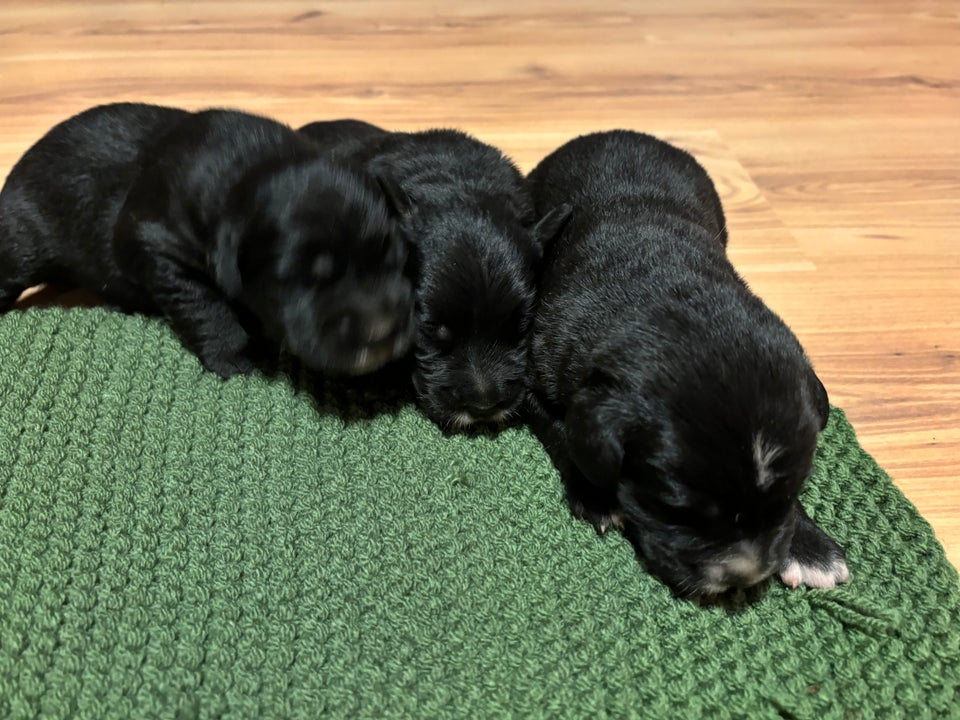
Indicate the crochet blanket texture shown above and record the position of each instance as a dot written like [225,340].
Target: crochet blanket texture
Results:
[172,545]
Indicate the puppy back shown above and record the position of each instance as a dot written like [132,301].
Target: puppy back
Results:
[441,168]
[344,138]
[637,284]
[629,169]
[101,138]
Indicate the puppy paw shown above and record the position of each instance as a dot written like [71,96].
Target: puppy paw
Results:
[601,521]
[814,559]
[8,298]
[830,574]
[228,366]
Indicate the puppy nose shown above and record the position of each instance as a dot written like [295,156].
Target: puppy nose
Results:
[488,393]
[482,408]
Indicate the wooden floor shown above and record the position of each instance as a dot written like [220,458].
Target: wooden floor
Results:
[832,128]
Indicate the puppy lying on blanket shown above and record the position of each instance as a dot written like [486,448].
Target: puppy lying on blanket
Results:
[229,225]
[675,404]
[470,222]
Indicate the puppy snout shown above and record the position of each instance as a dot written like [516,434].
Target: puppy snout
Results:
[743,568]
[743,571]
[485,407]
[365,328]
[491,400]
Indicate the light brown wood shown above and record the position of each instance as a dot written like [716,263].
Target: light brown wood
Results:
[831,127]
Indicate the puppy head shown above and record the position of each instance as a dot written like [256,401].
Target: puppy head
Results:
[706,473]
[313,252]
[474,300]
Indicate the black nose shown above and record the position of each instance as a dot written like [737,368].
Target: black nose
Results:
[481,408]
[485,407]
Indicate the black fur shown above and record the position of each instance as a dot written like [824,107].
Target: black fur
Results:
[232,226]
[658,379]
[470,222]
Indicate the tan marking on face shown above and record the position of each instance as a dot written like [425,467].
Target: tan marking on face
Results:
[763,457]
[743,566]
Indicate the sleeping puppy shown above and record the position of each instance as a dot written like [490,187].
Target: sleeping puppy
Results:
[468,217]
[675,404]
[231,226]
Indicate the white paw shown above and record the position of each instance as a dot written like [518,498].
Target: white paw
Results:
[601,521]
[794,574]
[609,521]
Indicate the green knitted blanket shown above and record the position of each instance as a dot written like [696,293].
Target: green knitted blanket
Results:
[172,545]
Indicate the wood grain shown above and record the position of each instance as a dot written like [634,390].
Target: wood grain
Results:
[831,128]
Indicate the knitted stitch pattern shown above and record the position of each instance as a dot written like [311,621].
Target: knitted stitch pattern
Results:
[172,545]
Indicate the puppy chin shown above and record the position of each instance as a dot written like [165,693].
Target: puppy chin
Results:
[453,418]
[697,568]
[344,356]
[463,420]
[364,347]
[353,360]
[712,579]
[692,583]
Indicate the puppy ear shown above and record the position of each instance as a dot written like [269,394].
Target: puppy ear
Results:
[594,435]
[225,257]
[552,224]
[818,394]
[398,201]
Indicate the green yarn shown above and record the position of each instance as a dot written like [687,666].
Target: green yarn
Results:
[176,546]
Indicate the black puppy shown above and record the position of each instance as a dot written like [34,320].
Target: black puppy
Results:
[673,401]
[232,226]
[469,219]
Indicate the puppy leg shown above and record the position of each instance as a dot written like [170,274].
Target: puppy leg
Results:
[814,559]
[586,501]
[591,505]
[203,319]
[197,310]
[9,292]
[16,261]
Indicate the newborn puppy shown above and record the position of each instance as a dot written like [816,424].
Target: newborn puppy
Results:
[468,217]
[231,226]
[675,404]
